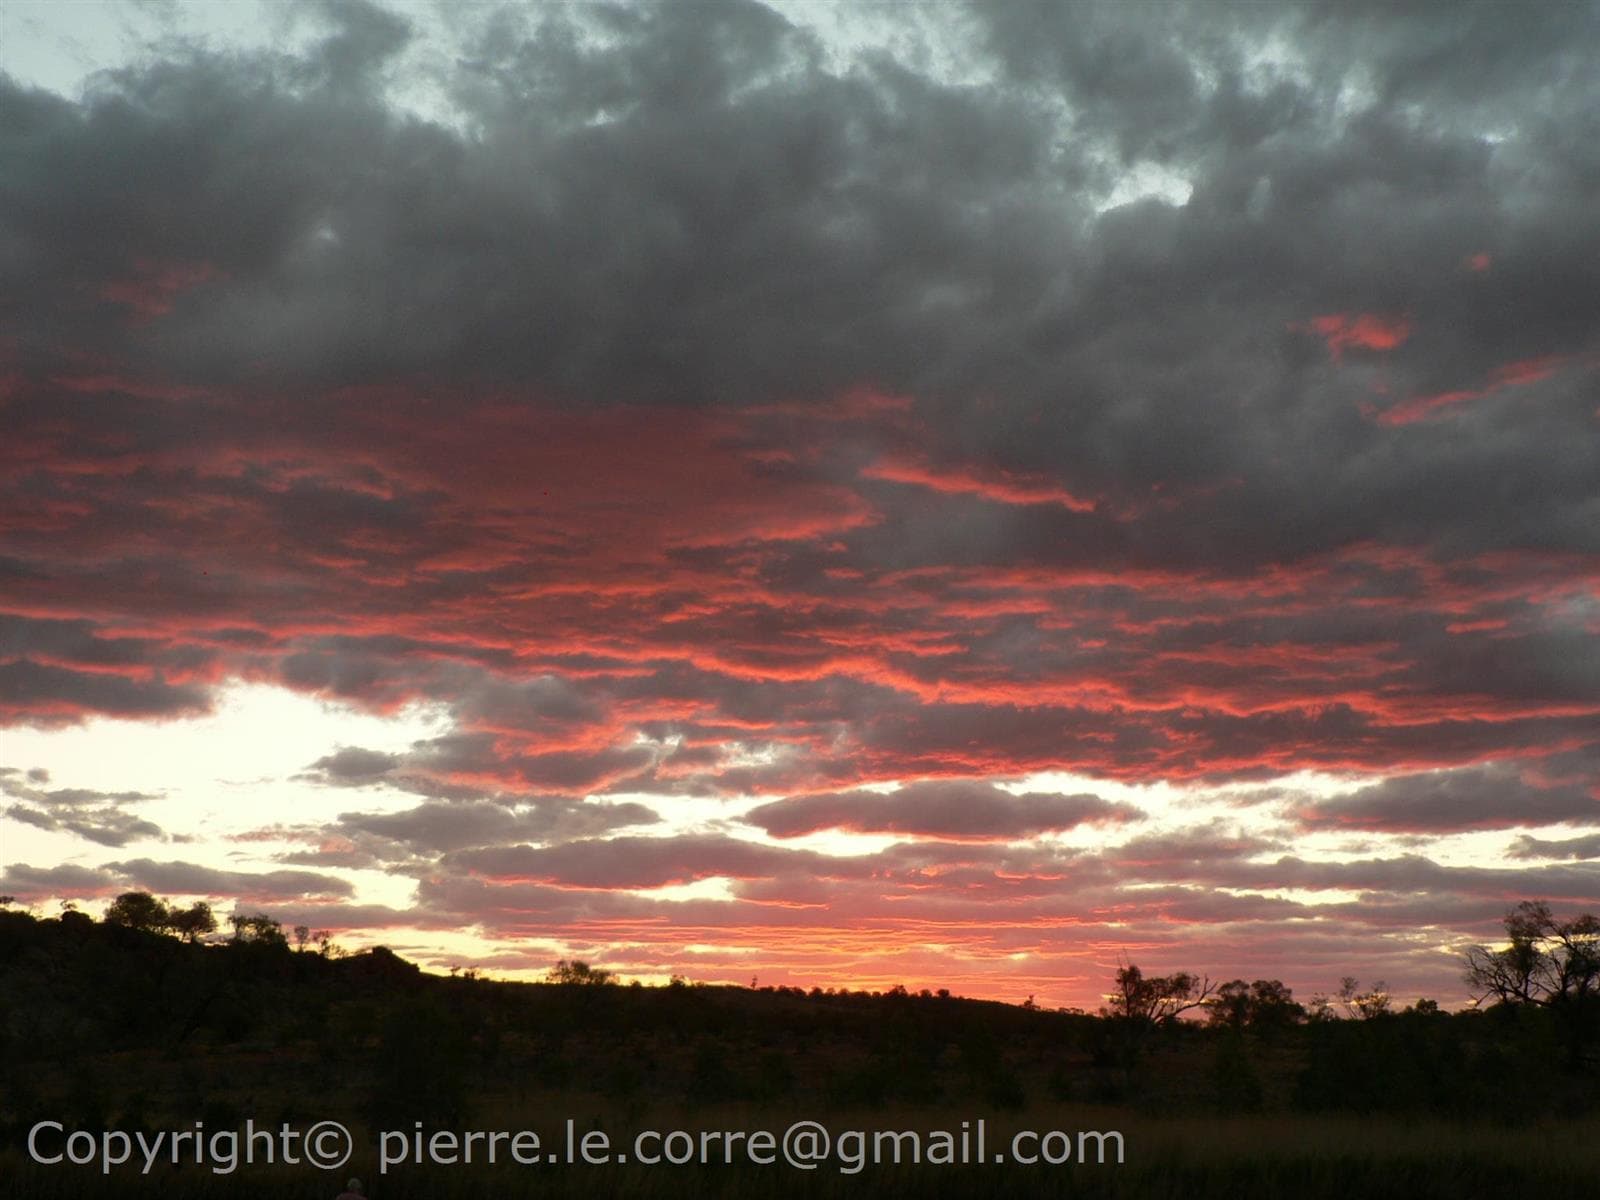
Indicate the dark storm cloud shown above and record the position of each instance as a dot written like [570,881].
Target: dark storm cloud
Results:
[879,226]
[589,257]
[877,213]
[1314,155]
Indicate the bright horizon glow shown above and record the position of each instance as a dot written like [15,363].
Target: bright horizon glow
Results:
[222,778]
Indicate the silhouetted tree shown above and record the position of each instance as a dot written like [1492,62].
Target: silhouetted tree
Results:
[139,910]
[1547,963]
[1546,959]
[1320,1009]
[1263,1004]
[1158,999]
[257,929]
[1138,1008]
[1373,1002]
[194,922]
[578,972]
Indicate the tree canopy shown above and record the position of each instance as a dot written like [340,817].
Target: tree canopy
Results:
[1156,999]
[578,972]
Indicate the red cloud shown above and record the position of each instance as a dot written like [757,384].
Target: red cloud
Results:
[659,602]
[1364,331]
[996,486]
[1516,374]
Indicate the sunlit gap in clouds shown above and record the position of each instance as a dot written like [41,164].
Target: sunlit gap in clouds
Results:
[219,779]
[107,35]
[252,730]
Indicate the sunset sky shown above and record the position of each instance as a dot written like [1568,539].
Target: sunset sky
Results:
[848,495]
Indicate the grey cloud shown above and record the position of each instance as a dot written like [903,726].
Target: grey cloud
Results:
[1587,847]
[1213,844]
[433,767]
[1494,796]
[1413,874]
[646,862]
[106,826]
[530,703]
[940,808]
[867,194]
[352,766]
[929,238]
[78,642]
[192,878]
[439,826]
[100,817]
[48,694]
[31,884]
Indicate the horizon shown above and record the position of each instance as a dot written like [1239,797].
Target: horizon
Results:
[1202,1001]
[851,496]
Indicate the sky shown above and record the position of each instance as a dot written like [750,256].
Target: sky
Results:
[839,495]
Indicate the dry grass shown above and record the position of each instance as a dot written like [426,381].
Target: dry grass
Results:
[1194,1158]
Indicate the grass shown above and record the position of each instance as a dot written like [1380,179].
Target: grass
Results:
[1193,1158]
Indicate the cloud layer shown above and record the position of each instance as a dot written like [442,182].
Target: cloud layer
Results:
[710,414]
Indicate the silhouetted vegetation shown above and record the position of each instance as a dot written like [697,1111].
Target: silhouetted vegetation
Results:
[579,973]
[147,1018]
[1548,964]
[1260,1006]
